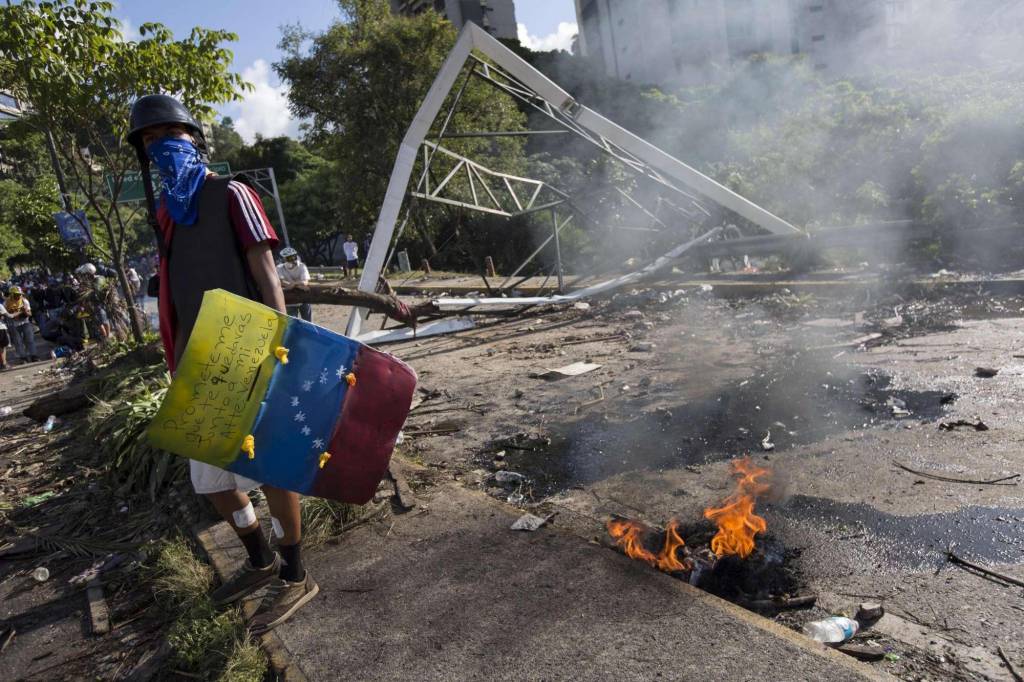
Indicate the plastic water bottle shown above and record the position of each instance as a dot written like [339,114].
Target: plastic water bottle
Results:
[51,421]
[832,630]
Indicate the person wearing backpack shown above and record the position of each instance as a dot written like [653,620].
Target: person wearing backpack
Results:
[213,233]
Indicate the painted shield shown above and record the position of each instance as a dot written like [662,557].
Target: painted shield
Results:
[284,402]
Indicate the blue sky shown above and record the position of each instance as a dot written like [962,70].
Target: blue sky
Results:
[258,22]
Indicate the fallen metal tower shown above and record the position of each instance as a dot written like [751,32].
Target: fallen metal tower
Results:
[506,195]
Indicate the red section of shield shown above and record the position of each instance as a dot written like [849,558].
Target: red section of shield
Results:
[371,417]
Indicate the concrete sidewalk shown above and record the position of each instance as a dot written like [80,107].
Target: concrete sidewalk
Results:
[453,594]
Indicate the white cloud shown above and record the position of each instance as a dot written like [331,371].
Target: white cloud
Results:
[561,39]
[129,31]
[265,108]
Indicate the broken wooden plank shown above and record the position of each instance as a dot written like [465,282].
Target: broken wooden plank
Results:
[99,612]
[403,493]
[1006,660]
[573,370]
[863,652]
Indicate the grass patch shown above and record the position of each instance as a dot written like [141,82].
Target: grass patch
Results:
[119,427]
[324,519]
[205,641]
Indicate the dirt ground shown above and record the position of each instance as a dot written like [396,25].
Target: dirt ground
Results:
[847,391]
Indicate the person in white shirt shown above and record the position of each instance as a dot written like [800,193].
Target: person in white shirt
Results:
[294,274]
[5,339]
[351,249]
[135,286]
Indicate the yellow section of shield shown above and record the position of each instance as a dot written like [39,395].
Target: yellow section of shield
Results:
[220,382]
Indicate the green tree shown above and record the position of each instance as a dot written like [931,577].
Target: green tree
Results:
[23,154]
[27,233]
[312,205]
[379,67]
[286,156]
[226,141]
[70,62]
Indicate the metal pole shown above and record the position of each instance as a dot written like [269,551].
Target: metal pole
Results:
[62,183]
[277,202]
[558,251]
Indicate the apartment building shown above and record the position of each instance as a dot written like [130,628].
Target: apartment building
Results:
[692,42]
[10,108]
[680,41]
[496,16]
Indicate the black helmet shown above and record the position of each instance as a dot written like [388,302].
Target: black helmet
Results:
[161,109]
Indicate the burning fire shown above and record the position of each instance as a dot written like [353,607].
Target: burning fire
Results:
[629,536]
[737,523]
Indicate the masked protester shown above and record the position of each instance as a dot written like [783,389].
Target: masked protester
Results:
[19,325]
[213,233]
[295,275]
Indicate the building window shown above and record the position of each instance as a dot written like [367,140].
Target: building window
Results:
[817,39]
[8,101]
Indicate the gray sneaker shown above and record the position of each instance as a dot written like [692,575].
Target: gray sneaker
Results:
[246,581]
[282,599]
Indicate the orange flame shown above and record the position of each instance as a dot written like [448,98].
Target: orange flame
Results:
[737,523]
[629,536]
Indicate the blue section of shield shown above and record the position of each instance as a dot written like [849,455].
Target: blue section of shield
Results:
[301,408]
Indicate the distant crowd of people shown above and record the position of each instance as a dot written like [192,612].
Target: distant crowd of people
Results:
[67,308]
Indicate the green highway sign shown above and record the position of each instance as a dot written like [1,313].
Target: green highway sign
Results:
[131,186]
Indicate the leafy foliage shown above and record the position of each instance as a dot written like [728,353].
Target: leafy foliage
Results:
[70,61]
[119,424]
[207,643]
[380,67]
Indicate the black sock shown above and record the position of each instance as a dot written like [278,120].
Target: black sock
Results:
[291,563]
[260,554]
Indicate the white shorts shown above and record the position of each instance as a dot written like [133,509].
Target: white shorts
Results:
[207,479]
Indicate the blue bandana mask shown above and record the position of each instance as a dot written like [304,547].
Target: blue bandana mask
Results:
[182,173]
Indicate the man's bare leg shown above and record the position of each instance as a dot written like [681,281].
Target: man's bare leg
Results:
[227,503]
[295,586]
[263,565]
[285,508]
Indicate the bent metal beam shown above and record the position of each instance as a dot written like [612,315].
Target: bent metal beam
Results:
[532,83]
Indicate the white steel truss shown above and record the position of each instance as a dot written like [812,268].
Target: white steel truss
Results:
[510,74]
[502,198]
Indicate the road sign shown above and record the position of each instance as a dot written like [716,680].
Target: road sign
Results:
[73,228]
[131,185]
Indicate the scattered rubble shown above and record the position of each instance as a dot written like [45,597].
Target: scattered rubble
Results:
[573,370]
[975,424]
[531,523]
